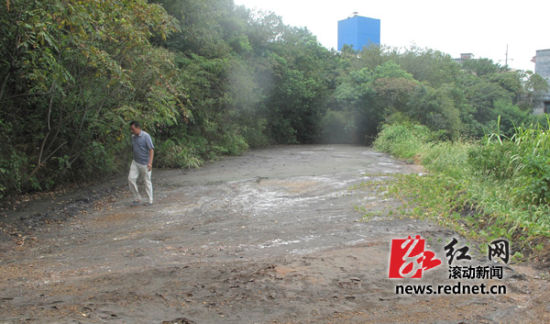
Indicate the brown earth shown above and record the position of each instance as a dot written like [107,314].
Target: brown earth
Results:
[273,236]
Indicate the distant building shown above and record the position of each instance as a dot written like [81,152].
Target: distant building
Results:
[358,31]
[464,57]
[542,68]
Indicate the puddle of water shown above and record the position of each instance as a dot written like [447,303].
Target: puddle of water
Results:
[277,242]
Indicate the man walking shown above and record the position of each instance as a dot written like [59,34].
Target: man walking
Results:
[142,163]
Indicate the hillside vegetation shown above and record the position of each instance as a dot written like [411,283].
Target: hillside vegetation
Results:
[494,187]
[208,78]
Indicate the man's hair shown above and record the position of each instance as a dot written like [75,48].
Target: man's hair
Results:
[135,124]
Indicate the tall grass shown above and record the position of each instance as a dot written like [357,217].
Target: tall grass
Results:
[491,188]
[404,140]
[522,162]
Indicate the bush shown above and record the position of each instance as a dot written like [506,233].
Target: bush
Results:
[533,163]
[523,160]
[403,140]
[173,155]
[231,144]
[255,135]
[511,116]
[447,157]
[496,159]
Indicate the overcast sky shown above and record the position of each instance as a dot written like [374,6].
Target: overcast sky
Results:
[481,27]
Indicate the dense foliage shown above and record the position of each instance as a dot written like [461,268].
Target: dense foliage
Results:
[208,78]
[73,73]
[493,187]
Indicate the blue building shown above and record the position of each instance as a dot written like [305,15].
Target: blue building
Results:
[358,31]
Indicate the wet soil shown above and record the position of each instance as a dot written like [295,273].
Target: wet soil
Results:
[273,236]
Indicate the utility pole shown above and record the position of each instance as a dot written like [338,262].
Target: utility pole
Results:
[506,61]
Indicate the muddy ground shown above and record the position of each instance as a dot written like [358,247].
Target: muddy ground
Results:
[273,236]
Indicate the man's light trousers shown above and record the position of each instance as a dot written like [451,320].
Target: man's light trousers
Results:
[137,170]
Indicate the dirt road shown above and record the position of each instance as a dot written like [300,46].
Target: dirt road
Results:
[273,236]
